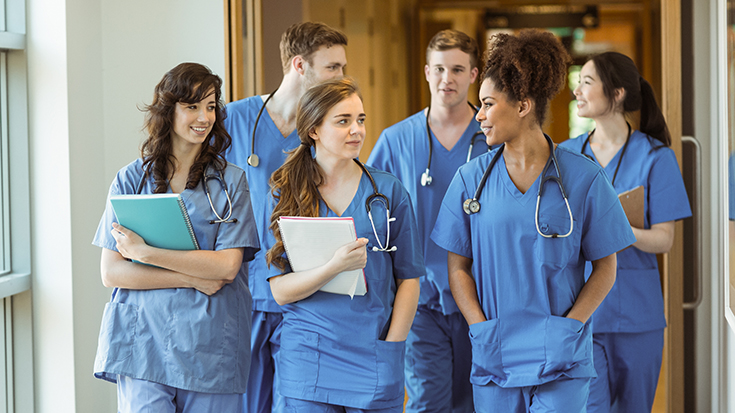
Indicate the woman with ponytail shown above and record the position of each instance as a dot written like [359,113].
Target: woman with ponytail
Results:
[341,353]
[629,324]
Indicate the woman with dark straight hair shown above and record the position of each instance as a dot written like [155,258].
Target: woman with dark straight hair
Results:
[629,324]
[340,353]
[175,333]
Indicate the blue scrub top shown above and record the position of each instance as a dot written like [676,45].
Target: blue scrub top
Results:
[526,283]
[271,147]
[635,304]
[403,150]
[332,347]
[178,336]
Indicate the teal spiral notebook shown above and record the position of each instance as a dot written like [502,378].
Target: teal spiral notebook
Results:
[160,219]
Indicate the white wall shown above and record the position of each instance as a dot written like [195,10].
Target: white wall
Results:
[91,64]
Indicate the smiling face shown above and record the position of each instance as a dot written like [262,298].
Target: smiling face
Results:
[193,122]
[342,132]
[449,74]
[326,63]
[591,99]
[499,117]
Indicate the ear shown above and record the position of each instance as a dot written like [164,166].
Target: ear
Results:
[525,107]
[619,96]
[473,74]
[313,135]
[297,64]
[426,72]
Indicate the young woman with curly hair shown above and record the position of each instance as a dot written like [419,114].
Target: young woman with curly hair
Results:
[174,334]
[519,224]
[629,325]
[340,353]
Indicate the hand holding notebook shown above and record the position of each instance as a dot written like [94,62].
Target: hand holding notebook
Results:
[311,242]
[160,219]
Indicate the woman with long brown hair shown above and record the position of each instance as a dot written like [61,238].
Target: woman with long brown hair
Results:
[340,353]
[174,334]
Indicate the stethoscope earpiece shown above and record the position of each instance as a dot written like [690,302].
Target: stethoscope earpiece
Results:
[377,196]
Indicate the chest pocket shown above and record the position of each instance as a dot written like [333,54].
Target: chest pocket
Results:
[556,251]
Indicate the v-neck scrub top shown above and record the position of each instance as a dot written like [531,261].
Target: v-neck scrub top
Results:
[526,283]
[403,150]
[271,147]
[332,347]
[635,303]
[181,337]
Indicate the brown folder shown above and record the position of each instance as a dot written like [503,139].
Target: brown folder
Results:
[632,202]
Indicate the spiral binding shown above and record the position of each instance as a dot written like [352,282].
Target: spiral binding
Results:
[185,214]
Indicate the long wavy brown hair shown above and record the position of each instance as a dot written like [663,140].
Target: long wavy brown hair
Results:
[185,83]
[295,185]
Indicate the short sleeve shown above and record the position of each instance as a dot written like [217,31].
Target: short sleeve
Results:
[667,197]
[606,229]
[452,229]
[243,233]
[103,237]
[408,259]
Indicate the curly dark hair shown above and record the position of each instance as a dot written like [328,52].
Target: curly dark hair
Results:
[531,65]
[186,83]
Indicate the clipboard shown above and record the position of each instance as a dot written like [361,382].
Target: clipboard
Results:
[633,203]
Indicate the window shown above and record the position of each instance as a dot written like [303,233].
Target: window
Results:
[16,363]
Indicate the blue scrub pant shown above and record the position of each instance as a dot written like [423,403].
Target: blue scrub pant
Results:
[302,406]
[628,365]
[438,363]
[143,396]
[265,341]
[563,395]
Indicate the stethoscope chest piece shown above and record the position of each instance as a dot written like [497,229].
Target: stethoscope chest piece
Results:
[426,178]
[253,160]
[471,206]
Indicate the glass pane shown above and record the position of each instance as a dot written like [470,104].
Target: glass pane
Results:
[731,144]
[4,186]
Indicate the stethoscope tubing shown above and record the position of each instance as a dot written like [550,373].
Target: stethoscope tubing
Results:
[205,178]
[377,196]
[426,177]
[254,160]
[472,206]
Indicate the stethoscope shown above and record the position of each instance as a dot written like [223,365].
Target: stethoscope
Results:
[426,177]
[472,206]
[253,159]
[205,182]
[622,152]
[377,196]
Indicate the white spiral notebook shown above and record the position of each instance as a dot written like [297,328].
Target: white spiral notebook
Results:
[311,242]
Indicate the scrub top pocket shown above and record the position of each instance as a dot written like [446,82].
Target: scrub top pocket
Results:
[205,340]
[556,251]
[298,359]
[117,334]
[566,345]
[487,362]
[390,357]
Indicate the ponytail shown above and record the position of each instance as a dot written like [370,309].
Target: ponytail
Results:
[652,120]
[617,71]
[294,187]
